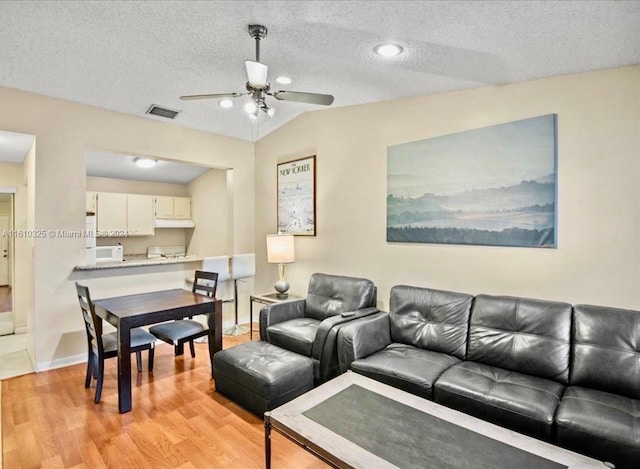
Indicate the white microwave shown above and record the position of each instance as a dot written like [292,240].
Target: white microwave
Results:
[109,253]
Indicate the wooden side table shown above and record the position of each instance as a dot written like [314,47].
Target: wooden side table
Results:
[267,299]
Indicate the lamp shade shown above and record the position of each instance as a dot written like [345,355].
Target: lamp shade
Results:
[280,249]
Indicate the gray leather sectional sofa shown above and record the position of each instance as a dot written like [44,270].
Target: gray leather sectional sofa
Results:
[565,374]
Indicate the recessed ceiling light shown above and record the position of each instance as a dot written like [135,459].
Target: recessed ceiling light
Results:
[226,103]
[388,49]
[145,162]
[283,80]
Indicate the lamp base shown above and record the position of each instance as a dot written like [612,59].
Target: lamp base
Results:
[282,287]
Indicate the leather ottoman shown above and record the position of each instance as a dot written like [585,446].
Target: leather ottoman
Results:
[260,376]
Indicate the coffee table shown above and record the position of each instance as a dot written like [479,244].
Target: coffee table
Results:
[354,421]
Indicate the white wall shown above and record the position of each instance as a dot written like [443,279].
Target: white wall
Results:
[598,256]
[64,131]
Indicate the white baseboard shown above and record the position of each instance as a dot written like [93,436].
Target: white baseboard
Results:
[60,363]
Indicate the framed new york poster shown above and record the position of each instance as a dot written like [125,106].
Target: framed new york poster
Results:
[297,196]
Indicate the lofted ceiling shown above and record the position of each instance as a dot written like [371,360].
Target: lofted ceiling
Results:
[127,55]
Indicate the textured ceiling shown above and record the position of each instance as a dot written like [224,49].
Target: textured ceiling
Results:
[126,55]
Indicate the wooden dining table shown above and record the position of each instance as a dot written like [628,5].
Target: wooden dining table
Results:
[127,312]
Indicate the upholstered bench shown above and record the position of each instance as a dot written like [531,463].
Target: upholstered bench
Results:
[260,376]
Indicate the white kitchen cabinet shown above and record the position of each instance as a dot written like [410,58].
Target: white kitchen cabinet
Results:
[173,208]
[164,207]
[182,208]
[140,215]
[111,214]
[92,202]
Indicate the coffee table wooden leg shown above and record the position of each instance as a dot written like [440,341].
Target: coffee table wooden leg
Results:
[267,439]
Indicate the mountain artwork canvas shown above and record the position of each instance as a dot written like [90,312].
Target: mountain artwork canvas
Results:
[490,186]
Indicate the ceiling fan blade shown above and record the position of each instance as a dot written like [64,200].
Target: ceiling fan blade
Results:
[310,98]
[257,73]
[210,96]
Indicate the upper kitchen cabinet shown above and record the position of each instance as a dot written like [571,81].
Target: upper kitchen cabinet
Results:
[111,213]
[164,207]
[92,202]
[170,208]
[124,214]
[182,208]
[140,215]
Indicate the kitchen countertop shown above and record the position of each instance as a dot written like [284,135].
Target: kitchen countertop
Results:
[139,260]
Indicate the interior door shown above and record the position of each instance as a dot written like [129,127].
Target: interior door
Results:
[4,250]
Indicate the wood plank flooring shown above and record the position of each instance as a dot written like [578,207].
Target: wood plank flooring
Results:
[178,421]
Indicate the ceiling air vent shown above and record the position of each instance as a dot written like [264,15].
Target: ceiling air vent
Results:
[162,112]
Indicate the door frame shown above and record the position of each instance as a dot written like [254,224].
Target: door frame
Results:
[11,247]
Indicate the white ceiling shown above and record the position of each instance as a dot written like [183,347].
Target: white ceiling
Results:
[128,55]
[110,165]
[14,146]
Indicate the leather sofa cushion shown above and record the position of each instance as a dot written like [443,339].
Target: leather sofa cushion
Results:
[514,400]
[519,334]
[329,295]
[602,425]
[430,319]
[606,350]
[296,335]
[405,367]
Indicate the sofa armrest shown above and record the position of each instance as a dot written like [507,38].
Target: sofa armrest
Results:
[279,312]
[330,323]
[362,338]
[325,348]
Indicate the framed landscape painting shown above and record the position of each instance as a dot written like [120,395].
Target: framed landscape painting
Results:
[490,186]
[297,196]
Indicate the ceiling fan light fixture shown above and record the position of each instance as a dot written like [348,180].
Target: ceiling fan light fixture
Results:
[251,108]
[145,162]
[388,49]
[283,80]
[270,111]
[225,103]
[257,73]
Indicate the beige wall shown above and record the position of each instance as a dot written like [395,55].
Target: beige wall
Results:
[209,209]
[598,256]
[64,132]
[99,184]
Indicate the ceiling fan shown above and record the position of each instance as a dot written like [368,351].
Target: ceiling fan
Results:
[258,86]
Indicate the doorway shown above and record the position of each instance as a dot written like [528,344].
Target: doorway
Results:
[6,259]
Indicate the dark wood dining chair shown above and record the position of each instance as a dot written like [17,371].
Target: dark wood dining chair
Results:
[178,332]
[103,346]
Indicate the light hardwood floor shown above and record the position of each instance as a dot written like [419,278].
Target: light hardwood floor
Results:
[49,420]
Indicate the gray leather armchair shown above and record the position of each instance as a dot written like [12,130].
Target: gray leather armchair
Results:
[310,326]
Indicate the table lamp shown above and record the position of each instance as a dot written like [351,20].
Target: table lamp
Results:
[280,250]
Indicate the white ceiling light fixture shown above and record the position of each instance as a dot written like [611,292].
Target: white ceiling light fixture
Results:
[283,80]
[226,103]
[145,162]
[388,49]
